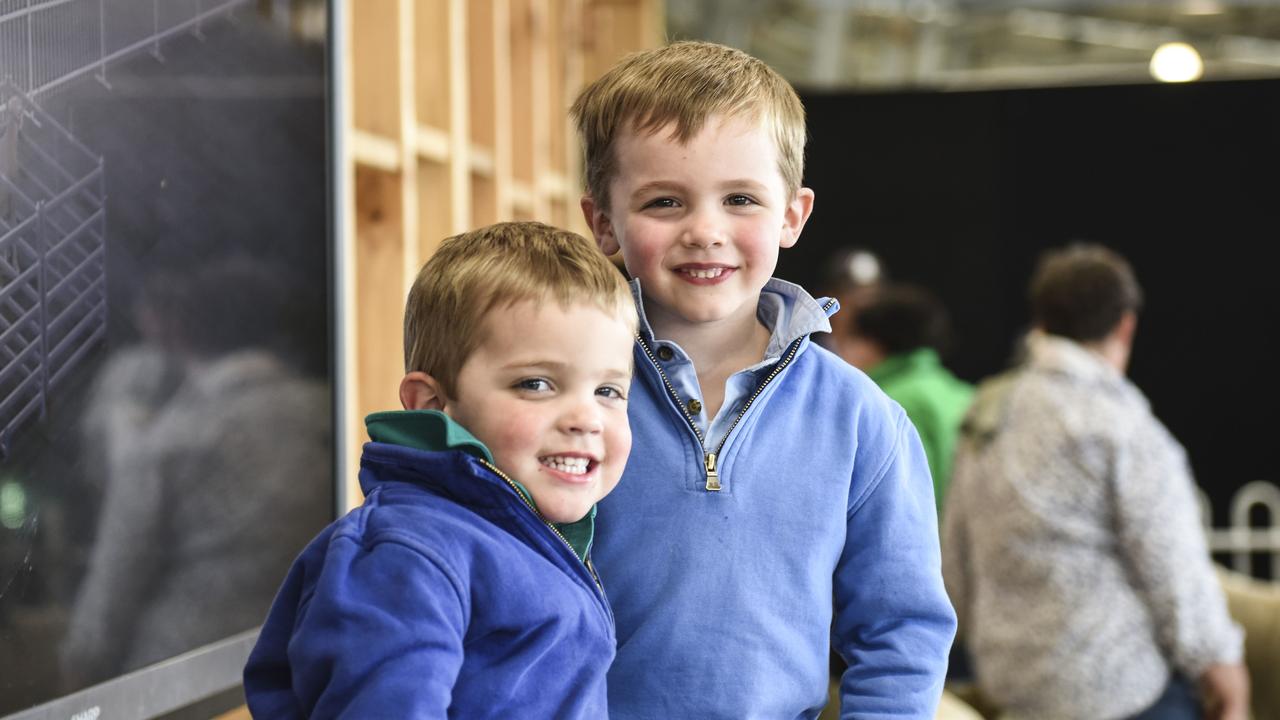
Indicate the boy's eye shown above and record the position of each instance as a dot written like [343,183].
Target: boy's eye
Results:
[533,385]
[610,391]
[663,202]
[740,200]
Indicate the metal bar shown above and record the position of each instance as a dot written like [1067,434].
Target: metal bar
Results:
[16,357]
[22,223]
[31,64]
[51,162]
[95,286]
[75,187]
[80,295]
[13,288]
[44,303]
[15,328]
[22,414]
[136,46]
[58,247]
[76,330]
[76,357]
[45,117]
[28,10]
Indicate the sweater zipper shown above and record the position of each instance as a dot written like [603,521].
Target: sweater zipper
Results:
[710,458]
[587,562]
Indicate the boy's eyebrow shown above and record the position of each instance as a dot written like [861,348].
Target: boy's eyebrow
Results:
[734,184]
[557,365]
[657,185]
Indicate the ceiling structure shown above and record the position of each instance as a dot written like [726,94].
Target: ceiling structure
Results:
[978,44]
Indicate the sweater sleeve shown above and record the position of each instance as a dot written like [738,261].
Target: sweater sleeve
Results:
[381,636]
[893,622]
[1162,542]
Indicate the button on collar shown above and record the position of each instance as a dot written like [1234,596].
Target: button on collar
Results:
[695,407]
[665,353]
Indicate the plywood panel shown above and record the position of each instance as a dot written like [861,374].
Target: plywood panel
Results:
[379,259]
[375,67]
[481,69]
[431,41]
[523,31]
[435,221]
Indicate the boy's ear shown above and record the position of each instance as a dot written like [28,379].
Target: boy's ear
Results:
[420,391]
[600,224]
[797,214]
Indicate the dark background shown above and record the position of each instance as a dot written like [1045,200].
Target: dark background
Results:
[960,192]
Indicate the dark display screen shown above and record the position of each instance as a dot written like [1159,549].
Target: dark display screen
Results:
[165,386]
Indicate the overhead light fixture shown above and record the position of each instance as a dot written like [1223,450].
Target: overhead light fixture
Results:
[1202,7]
[1176,62]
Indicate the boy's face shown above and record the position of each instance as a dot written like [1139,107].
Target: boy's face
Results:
[700,224]
[546,393]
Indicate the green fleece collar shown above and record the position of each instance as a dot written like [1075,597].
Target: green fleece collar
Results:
[433,431]
[917,359]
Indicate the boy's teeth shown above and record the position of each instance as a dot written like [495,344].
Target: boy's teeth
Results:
[571,465]
[705,274]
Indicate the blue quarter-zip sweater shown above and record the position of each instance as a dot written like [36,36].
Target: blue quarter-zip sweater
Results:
[724,598]
[444,595]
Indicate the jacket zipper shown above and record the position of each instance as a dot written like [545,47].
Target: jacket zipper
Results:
[587,562]
[710,458]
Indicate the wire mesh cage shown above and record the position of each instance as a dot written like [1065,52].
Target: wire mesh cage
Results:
[52,257]
[47,44]
[52,218]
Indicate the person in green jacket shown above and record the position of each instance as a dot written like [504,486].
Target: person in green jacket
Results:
[895,335]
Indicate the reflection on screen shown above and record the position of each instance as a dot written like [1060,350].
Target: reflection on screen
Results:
[165,422]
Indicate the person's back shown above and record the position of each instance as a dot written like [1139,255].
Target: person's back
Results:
[462,586]
[767,475]
[1072,547]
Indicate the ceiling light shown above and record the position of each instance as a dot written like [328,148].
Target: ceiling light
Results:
[1176,62]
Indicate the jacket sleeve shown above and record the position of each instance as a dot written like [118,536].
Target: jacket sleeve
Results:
[382,634]
[1161,539]
[893,622]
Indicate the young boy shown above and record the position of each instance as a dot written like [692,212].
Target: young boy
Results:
[462,586]
[768,476]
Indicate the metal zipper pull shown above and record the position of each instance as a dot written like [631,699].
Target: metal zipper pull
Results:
[713,478]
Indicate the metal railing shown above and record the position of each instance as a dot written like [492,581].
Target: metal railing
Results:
[1242,541]
[53,300]
[46,44]
[52,195]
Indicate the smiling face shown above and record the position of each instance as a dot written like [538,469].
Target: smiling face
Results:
[545,391]
[699,223]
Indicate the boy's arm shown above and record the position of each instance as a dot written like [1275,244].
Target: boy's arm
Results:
[893,622]
[381,636]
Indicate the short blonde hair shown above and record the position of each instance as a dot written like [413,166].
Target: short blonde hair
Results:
[684,84]
[475,272]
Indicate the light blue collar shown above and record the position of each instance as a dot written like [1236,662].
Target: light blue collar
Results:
[786,309]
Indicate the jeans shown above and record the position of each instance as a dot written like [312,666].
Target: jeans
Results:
[1179,701]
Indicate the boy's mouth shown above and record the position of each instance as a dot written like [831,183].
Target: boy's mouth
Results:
[574,465]
[704,274]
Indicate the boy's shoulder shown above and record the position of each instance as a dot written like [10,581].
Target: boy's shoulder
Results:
[837,387]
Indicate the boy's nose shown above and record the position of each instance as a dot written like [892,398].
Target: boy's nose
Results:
[582,417]
[704,230]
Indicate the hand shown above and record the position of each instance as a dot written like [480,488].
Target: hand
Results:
[1224,689]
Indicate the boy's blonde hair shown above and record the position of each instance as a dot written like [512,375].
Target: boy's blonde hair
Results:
[684,84]
[477,272]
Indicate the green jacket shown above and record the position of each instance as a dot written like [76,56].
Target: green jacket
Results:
[936,402]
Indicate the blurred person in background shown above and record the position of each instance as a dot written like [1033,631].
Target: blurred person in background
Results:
[200,433]
[1072,545]
[897,336]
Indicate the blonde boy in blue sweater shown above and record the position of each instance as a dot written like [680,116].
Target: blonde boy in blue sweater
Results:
[767,476]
